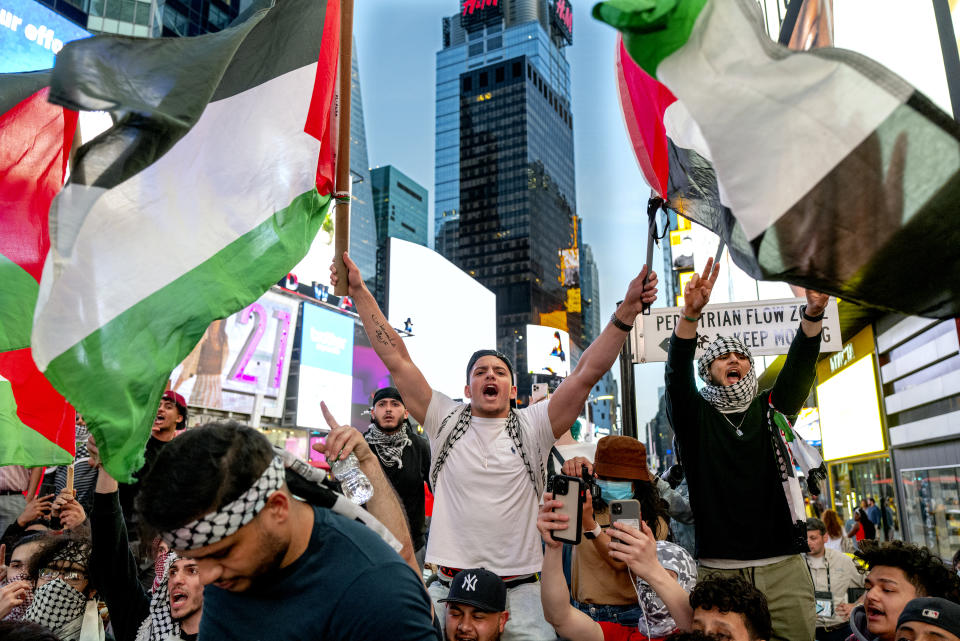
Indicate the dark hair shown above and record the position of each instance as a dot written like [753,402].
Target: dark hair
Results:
[925,571]
[734,594]
[692,635]
[956,559]
[201,470]
[480,353]
[25,631]
[45,539]
[813,523]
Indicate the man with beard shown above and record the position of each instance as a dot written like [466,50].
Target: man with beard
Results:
[274,566]
[489,459]
[898,573]
[64,600]
[173,609]
[736,460]
[476,606]
[405,459]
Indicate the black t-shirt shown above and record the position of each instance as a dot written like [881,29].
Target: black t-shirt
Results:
[129,491]
[408,482]
[348,584]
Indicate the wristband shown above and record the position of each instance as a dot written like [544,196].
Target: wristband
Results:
[812,319]
[690,319]
[619,324]
[594,533]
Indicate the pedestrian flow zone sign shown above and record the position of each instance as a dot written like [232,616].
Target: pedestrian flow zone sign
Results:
[767,327]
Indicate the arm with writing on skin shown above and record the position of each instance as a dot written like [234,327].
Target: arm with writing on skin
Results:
[387,343]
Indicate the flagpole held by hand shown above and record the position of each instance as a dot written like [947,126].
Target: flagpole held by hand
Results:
[342,221]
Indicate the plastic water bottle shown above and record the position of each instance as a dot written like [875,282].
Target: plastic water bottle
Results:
[354,483]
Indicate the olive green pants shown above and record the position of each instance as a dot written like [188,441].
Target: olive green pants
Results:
[789,591]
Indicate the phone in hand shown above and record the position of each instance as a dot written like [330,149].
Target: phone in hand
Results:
[569,490]
[626,511]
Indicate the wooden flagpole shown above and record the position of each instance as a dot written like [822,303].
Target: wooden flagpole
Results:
[341,230]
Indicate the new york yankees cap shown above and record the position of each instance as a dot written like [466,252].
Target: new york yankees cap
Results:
[934,611]
[479,588]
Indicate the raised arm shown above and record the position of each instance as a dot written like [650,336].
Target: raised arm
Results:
[387,343]
[799,368]
[567,402]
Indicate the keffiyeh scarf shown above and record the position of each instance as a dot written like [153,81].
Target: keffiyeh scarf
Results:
[727,398]
[67,612]
[160,626]
[226,520]
[389,445]
[18,612]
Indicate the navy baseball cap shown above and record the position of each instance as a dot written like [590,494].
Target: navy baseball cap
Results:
[934,611]
[479,588]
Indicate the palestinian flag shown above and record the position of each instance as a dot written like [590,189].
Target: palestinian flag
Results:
[831,171]
[209,188]
[36,423]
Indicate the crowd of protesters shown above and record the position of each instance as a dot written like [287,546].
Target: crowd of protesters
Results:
[222,536]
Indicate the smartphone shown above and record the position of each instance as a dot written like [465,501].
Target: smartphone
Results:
[569,490]
[626,511]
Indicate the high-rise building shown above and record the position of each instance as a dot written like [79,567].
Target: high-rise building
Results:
[148,18]
[363,229]
[399,205]
[401,211]
[504,162]
[590,295]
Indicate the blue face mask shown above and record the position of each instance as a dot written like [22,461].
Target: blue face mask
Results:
[616,490]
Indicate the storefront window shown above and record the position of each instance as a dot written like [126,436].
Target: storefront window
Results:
[932,508]
[855,481]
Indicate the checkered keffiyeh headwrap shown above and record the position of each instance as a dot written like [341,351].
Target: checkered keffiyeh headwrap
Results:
[727,398]
[223,522]
[160,626]
[59,607]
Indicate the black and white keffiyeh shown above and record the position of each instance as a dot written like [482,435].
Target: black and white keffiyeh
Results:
[389,445]
[727,398]
[66,612]
[229,518]
[160,626]
[18,612]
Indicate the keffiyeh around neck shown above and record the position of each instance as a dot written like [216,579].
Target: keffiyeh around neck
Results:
[727,398]
[160,626]
[389,445]
[60,607]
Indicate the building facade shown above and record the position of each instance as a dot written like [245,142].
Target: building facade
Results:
[148,18]
[401,211]
[504,163]
[590,295]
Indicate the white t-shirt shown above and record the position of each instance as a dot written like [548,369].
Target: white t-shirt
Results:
[484,505]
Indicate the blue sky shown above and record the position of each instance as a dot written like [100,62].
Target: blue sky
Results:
[397,44]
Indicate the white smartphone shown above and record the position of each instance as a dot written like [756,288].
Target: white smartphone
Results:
[625,511]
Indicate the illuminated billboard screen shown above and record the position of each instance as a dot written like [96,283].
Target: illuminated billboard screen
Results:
[326,366]
[369,375]
[850,422]
[241,356]
[451,314]
[548,351]
[31,35]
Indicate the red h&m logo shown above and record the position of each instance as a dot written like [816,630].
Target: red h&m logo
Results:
[469,6]
[565,14]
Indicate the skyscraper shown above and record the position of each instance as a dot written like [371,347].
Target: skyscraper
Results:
[504,162]
[400,208]
[590,294]
[363,229]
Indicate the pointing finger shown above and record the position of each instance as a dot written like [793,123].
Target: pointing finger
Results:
[328,415]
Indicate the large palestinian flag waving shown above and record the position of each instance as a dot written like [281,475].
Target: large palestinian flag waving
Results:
[209,188]
[821,168]
[36,423]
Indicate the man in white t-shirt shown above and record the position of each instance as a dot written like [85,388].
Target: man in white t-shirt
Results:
[488,466]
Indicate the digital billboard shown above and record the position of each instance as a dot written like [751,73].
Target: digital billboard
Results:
[241,356]
[369,375]
[326,366]
[32,35]
[548,351]
[850,423]
[451,314]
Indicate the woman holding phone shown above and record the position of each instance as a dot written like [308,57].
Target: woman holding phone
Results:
[601,585]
